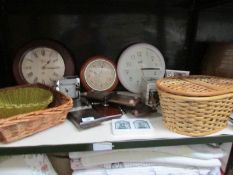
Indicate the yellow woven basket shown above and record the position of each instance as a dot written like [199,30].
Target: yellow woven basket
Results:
[17,100]
[195,105]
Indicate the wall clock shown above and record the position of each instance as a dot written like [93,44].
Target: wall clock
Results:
[99,73]
[139,61]
[42,61]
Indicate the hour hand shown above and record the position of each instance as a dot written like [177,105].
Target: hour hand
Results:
[46,63]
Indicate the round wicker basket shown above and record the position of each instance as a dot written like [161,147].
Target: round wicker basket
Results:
[195,105]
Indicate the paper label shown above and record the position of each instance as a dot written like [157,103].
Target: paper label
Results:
[102,146]
[88,119]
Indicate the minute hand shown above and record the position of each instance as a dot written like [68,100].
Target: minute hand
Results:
[55,67]
[150,68]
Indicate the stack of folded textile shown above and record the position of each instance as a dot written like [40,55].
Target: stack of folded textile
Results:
[175,160]
[29,164]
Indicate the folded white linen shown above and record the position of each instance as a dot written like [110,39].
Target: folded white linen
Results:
[204,151]
[145,156]
[95,171]
[192,151]
[38,164]
[125,171]
[155,170]
[77,165]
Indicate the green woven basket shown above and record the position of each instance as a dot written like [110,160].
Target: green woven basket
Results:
[15,101]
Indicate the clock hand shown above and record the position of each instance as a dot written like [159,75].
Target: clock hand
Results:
[46,64]
[150,68]
[55,67]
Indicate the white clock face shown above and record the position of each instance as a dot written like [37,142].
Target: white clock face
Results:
[137,62]
[42,65]
[100,74]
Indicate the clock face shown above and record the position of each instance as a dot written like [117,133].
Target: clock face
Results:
[137,62]
[99,73]
[42,61]
[42,64]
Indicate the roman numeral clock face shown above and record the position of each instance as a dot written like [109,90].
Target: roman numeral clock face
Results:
[42,64]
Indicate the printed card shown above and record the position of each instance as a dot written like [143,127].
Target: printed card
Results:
[131,126]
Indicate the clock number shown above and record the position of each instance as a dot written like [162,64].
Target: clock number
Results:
[128,64]
[132,57]
[35,80]
[35,54]
[30,74]
[130,78]
[55,60]
[28,59]
[152,58]
[139,54]
[27,67]
[106,83]
[51,53]
[109,79]
[140,62]
[55,74]
[101,64]
[42,52]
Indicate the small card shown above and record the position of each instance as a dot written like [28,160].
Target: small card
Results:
[172,73]
[131,126]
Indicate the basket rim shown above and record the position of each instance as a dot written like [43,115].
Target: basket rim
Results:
[211,89]
[190,98]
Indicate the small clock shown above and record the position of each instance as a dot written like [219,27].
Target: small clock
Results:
[99,73]
[139,61]
[69,85]
[42,61]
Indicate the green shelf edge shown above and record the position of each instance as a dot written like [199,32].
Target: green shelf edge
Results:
[116,145]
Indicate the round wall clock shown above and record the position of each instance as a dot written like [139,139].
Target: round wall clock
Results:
[42,61]
[139,61]
[99,73]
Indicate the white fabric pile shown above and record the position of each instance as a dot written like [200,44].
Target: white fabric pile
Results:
[31,164]
[175,160]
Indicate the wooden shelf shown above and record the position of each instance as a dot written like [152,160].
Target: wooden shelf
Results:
[67,138]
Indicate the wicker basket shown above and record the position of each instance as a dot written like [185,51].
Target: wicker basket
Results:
[195,105]
[23,125]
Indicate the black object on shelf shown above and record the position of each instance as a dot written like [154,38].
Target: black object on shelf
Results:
[87,118]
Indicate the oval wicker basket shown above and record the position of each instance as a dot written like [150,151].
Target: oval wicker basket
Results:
[22,125]
[195,105]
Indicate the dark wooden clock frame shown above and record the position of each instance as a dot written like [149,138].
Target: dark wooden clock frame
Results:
[67,58]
